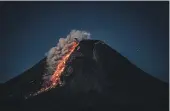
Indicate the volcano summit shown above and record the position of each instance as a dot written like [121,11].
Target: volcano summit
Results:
[95,77]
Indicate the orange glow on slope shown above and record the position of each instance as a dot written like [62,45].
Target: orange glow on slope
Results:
[55,78]
[61,66]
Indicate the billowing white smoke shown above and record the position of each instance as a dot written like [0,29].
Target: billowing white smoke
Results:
[55,53]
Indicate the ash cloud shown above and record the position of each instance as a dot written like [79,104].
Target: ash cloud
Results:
[55,53]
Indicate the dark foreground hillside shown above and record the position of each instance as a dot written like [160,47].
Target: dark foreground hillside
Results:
[101,80]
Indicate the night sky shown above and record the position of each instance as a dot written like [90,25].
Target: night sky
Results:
[137,30]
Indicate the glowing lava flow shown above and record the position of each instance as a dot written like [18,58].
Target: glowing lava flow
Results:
[55,78]
[61,66]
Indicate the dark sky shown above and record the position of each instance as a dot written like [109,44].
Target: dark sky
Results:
[137,30]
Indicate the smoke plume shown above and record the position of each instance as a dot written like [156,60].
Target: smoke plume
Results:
[55,53]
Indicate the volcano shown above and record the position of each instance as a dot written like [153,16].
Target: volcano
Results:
[96,77]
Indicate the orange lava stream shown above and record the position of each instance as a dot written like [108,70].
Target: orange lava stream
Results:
[61,66]
[55,78]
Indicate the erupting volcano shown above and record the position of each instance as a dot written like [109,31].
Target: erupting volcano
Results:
[101,79]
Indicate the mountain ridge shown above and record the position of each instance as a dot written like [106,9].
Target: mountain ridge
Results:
[100,76]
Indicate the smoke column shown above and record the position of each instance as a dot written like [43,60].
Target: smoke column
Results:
[55,53]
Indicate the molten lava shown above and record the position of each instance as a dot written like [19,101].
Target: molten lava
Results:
[61,66]
[55,78]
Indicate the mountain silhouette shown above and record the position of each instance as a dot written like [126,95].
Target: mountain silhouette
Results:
[100,79]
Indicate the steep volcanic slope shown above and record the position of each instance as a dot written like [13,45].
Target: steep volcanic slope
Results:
[30,80]
[100,79]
